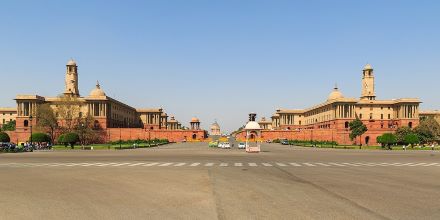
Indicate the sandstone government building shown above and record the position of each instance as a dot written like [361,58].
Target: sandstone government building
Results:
[326,121]
[117,119]
[329,121]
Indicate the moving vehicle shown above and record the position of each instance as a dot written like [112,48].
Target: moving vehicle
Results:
[241,145]
[285,142]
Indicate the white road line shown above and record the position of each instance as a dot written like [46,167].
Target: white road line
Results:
[165,164]
[150,164]
[106,164]
[120,164]
[295,164]
[179,164]
[253,164]
[267,164]
[209,164]
[224,164]
[431,164]
[405,164]
[136,164]
[281,164]
[194,164]
[352,164]
[337,164]
[309,164]
[417,164]
[323,164]
[238,164]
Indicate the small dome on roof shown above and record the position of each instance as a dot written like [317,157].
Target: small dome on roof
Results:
[97,91]
[335,94]
[71,62]
[252,125]
[194,119]
[368,67]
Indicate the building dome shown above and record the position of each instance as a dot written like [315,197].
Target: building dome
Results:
[97,91]
[194,119]
[71,62]
[252,125]
[335,94]
[368,67]
[215,125]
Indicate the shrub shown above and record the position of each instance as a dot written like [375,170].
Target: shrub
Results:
[40,137]
[71,138]
[4,137]
[412,139]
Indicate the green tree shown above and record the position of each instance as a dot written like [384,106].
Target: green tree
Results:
[387,140]
[47,120]
[88,131]
[71,138]
[41,137]
[412,139]
[357,128]
[60,140]
[401,133]
[428,130]
[4,137]
[10,126]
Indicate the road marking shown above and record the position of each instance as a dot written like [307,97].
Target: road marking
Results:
[120,164]
[417,164]
[323,164]
[209,164]
[253,164]
[267,164]
[136,164]
[238,164]
[179,164]
[224,164]
[194,164]
[106,164]
[309,164]
[337,164]
[281,164]
[150,164]
[295,164]
[431,164]
[165,164]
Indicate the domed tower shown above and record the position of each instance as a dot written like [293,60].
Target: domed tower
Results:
[368,92]
[71,87]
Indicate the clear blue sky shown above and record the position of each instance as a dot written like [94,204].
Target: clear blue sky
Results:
[221,59]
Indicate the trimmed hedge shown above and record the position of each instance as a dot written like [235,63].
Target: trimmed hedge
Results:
[40,137]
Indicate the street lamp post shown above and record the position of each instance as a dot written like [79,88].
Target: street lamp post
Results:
[30,121]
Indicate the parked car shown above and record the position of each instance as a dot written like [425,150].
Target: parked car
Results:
[226,146]
[241,146]
[220,145]
[285,142]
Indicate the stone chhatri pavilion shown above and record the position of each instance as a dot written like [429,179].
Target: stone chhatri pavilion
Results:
[330,120]
[109,114]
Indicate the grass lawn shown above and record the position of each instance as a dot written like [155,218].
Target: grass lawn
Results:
[399,147]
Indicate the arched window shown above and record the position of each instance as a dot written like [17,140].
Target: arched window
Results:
[26,123]
[194,136]
[347,124]
[410,124]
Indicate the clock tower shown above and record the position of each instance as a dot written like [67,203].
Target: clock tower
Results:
[71,87]
[368,92]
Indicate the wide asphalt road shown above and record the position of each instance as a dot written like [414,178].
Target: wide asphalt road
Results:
[192,181]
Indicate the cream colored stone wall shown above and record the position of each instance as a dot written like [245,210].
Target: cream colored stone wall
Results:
[7,115]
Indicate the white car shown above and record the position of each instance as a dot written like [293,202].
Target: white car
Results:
[221,144]
[241,146]
[226,146]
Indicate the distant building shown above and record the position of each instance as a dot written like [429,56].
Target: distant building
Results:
[7,115]
[215,129]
